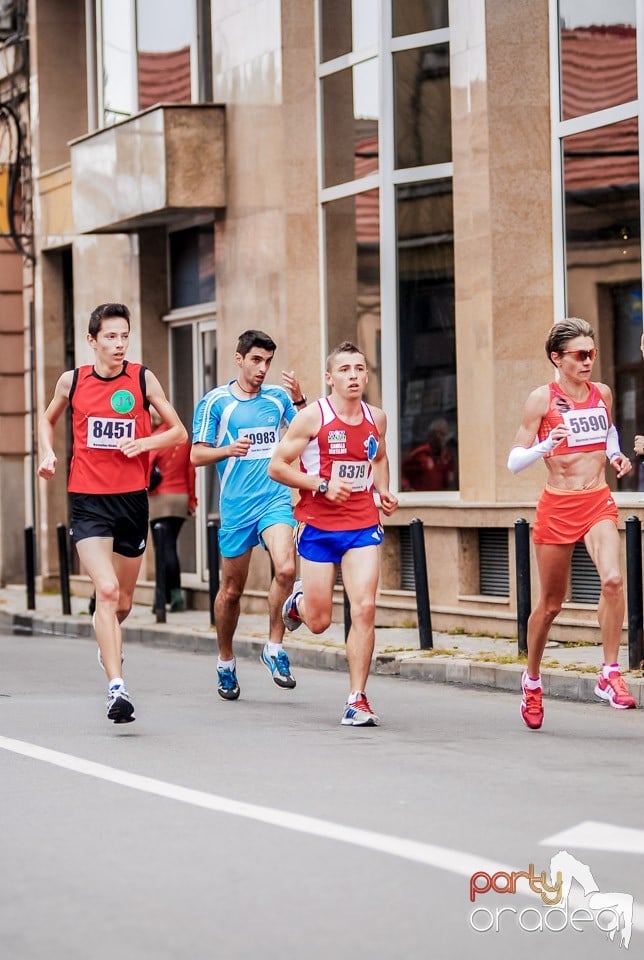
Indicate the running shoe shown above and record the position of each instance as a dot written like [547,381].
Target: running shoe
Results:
[359,714]
[279,668]
[531,705]
[120,708]
[290,616]
[615,691]
[227,686]
[98,652]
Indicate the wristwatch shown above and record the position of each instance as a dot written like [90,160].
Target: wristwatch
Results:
[300,403]
[323,486]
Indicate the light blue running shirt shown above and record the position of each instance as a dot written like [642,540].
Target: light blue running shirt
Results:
[247,491]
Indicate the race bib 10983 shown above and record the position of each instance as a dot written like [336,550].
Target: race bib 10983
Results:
[263,441]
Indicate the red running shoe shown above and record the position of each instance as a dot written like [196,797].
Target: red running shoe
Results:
[615,691]
[531,705]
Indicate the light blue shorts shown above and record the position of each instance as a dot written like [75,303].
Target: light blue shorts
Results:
[233,541]
[329,546]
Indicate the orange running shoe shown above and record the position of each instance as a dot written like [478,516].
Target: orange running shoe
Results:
[531,705]
[615,691]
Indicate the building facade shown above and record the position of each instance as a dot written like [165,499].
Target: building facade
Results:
[437,181]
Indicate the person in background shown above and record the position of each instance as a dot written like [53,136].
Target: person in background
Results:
[172,498]
[430,466]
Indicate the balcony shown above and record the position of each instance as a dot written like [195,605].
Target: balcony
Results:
[154,168]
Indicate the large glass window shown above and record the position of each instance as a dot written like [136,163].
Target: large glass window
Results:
[151,52]
[417,16]
[598,55]
[422,118]
[389,258]
[192,266]
[346,26]
[350,109]
[353,279]
[603,262]
[427,339]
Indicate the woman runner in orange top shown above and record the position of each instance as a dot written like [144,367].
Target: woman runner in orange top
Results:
[571,420]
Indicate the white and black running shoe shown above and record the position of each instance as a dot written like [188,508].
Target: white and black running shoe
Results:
[120,708]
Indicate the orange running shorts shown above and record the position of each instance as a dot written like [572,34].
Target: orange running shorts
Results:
[566,516]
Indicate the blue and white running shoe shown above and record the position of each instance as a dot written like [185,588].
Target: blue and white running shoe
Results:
[279,668]
[227,686]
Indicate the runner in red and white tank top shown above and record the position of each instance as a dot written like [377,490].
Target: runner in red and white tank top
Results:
[342,451]
[340,443]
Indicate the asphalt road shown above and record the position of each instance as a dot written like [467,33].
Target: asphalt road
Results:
[263,828]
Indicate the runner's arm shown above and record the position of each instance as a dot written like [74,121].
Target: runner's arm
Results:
[47,422]
[525,452]
[388,501]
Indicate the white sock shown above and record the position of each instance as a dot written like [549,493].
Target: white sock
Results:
[608,668]
[355,695]
[531,684]
[226,664]
[116,682]
[274,648]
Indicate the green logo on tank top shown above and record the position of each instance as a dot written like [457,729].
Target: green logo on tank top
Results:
[122,401]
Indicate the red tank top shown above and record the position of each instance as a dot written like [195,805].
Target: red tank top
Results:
[104,411]
[341,450]
[587,419]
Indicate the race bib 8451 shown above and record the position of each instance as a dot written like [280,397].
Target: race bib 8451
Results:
[106,432]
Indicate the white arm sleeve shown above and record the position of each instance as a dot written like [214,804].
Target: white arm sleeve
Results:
[613,448]
[522,457]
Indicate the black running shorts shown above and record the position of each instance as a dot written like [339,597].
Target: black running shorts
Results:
[122,517]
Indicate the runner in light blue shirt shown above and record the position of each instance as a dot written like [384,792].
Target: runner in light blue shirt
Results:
[236,427]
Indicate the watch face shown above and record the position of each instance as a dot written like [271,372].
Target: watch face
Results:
[324,486]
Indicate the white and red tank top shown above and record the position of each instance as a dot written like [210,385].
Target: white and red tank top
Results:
[106,410]
[344,451]
[588,421]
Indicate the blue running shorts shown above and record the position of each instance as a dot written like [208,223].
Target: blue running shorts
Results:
[329,546]
[233,541]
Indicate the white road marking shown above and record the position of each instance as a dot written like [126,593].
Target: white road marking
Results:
[443,858]
[593,835]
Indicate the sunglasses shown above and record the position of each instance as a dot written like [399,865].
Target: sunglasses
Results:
[582,355]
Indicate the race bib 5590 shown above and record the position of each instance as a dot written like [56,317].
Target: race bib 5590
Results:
[586,426]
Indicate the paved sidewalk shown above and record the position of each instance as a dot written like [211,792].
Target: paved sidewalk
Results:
[568,671]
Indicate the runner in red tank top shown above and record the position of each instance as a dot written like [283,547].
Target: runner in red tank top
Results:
[572,421]
[109,475]
[340,441]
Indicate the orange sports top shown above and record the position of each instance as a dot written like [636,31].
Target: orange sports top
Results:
[588,421]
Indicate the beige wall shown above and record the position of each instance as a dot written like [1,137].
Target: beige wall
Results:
[59,84]
[502,232]
[267,246]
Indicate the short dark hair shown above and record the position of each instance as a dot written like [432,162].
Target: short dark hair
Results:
[103,312]
[566,330]
[345,347]
[255,338]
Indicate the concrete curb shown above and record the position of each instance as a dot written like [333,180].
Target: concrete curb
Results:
[557,683]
